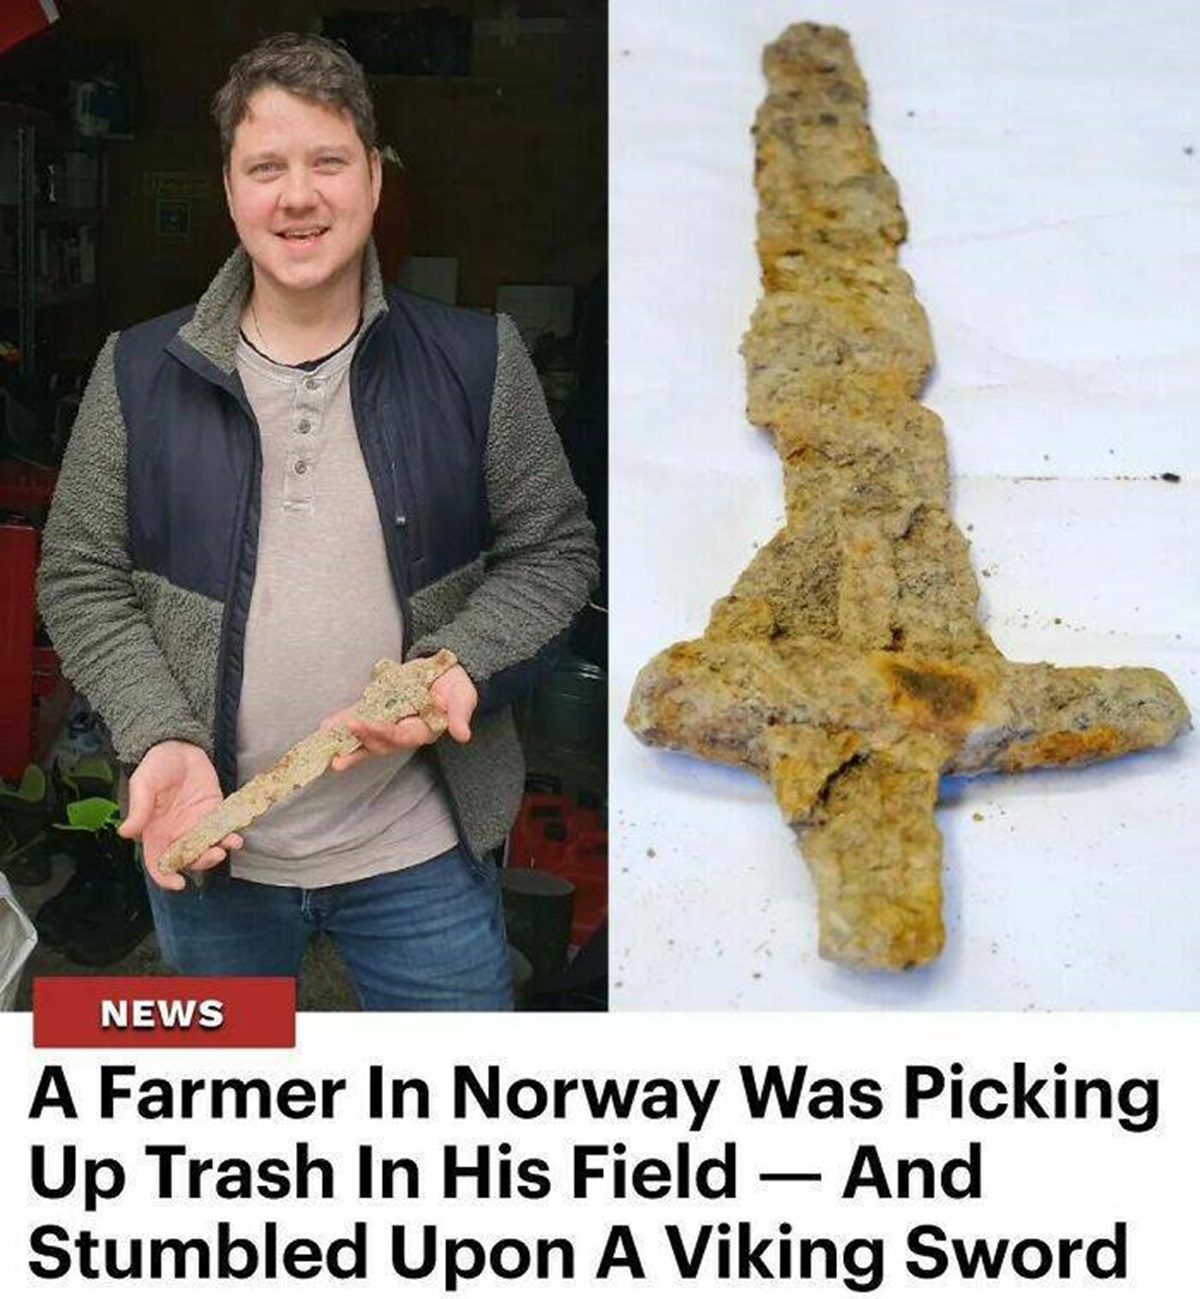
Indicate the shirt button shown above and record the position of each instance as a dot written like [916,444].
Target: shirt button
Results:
[304,425]
[301,467]
[312,385]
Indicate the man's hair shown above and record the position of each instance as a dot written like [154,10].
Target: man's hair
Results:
[311,67]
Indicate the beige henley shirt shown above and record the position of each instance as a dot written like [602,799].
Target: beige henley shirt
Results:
[322,612]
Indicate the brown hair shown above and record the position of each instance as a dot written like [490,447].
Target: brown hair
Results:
[312,67]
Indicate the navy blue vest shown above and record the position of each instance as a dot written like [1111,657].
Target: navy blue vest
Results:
[421,386]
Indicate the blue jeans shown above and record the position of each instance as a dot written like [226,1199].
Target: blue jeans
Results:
[429,937]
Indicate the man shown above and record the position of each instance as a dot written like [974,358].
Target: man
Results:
[266,493]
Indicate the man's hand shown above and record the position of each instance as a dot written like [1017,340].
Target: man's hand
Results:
[453,693]
[173,787]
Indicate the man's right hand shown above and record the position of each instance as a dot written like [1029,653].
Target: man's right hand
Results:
[173,786]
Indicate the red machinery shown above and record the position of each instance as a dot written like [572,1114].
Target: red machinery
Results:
[556,833]
[28,672]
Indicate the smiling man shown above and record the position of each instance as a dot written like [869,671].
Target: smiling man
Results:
[266,493]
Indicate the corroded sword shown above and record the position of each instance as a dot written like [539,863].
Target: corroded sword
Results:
[848,666]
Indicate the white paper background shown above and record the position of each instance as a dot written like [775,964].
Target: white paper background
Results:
[1043,158]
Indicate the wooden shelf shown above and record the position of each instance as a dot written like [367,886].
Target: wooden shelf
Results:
[46,295]
[61,214]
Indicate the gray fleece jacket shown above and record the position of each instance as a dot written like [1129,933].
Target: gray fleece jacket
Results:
[148,554]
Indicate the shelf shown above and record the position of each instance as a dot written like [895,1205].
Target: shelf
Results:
[61,214]
[50,234]
[65,296]
[45,295]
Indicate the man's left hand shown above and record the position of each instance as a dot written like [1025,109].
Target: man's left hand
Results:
[453,693]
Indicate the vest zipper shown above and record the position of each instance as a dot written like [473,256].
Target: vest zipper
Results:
[225,737]
[392,517]
[395,522]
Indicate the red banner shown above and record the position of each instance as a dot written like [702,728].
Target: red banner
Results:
[21,18]
[164,1011]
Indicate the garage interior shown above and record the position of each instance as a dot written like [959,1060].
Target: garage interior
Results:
[492,115]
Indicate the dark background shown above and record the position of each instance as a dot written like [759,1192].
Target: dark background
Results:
[497,111]
[504,167]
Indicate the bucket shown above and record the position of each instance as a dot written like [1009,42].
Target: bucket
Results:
[18,938]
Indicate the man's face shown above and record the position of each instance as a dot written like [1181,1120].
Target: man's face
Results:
[302,191]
